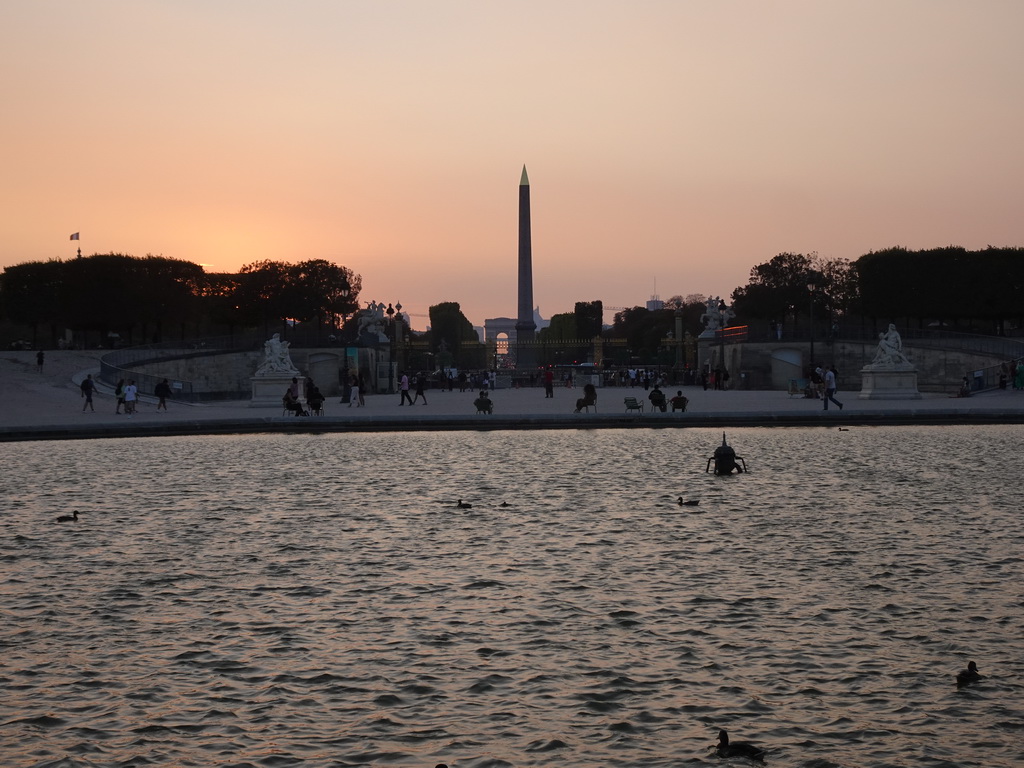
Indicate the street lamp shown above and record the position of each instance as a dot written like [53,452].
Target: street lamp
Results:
[721,338]
[394,314]
[390,312]
[811,287]
[346,383]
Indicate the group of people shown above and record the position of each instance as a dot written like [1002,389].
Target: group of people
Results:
[1012,372]
[660,403]
[420,385]
[293,403]
[126,394]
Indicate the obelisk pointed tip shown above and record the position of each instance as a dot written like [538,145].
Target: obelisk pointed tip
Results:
[525,180]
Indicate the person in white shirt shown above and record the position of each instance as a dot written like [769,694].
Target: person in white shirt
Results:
[830,388]
[131,396]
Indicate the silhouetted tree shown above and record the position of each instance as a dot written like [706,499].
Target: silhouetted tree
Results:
[589,318]
[449,326]
[561,327]
[779,289]
[320,290]
[30,294]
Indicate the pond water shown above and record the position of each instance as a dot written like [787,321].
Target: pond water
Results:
[319,600]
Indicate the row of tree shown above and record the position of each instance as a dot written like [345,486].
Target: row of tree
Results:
[146,299]
[944,285]
[156,298]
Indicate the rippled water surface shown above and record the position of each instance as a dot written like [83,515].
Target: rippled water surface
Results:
[320,600]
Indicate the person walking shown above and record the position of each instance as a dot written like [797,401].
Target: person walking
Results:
[354,392]
[404,386]
[40,357]
[421,381]
[119,394]
[830,388]
[162,391]
[88,386]
[131,394]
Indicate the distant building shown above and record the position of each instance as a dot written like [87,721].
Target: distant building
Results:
[497,327]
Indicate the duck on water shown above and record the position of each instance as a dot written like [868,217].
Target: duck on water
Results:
[737,748]
[968,676]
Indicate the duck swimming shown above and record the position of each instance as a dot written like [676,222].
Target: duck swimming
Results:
[463,505]
[72,518]
[968,676]
[738,749]
[688,502]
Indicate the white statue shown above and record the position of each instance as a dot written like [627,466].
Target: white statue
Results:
[711,317]
[716,315]
[276,358]
[890,349]
[371,321]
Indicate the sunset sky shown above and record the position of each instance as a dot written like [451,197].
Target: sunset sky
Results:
[671,145]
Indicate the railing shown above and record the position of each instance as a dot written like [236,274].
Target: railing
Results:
[997,346]
[988,377]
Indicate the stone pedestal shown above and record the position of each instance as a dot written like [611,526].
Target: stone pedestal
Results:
[889,383]
[268,389]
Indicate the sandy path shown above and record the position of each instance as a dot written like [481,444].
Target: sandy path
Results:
[29,397]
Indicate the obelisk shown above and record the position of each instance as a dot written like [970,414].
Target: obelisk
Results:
[526,354]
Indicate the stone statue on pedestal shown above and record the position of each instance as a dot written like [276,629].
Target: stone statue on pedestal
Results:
[276,358]
[890,349]
[715,317]
[274,375]
[890,375]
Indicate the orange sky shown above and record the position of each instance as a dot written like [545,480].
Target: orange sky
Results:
[671,145]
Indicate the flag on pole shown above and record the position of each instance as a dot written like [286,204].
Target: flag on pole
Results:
[74,236]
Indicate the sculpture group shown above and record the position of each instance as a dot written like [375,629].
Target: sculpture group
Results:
[716,315]
[276,358]
[371,323]
[890,375]
[890,350]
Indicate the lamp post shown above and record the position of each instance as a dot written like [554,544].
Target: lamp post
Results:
[811,286]
[721,339]
[394,314]
[346,384]
[390,312]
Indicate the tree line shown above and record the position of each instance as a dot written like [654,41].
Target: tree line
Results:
[153,298]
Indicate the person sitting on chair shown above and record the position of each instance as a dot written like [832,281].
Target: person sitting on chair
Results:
[589,398]
[483,403]
[657,398]
[291,402]
[315,400]
[679,402]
